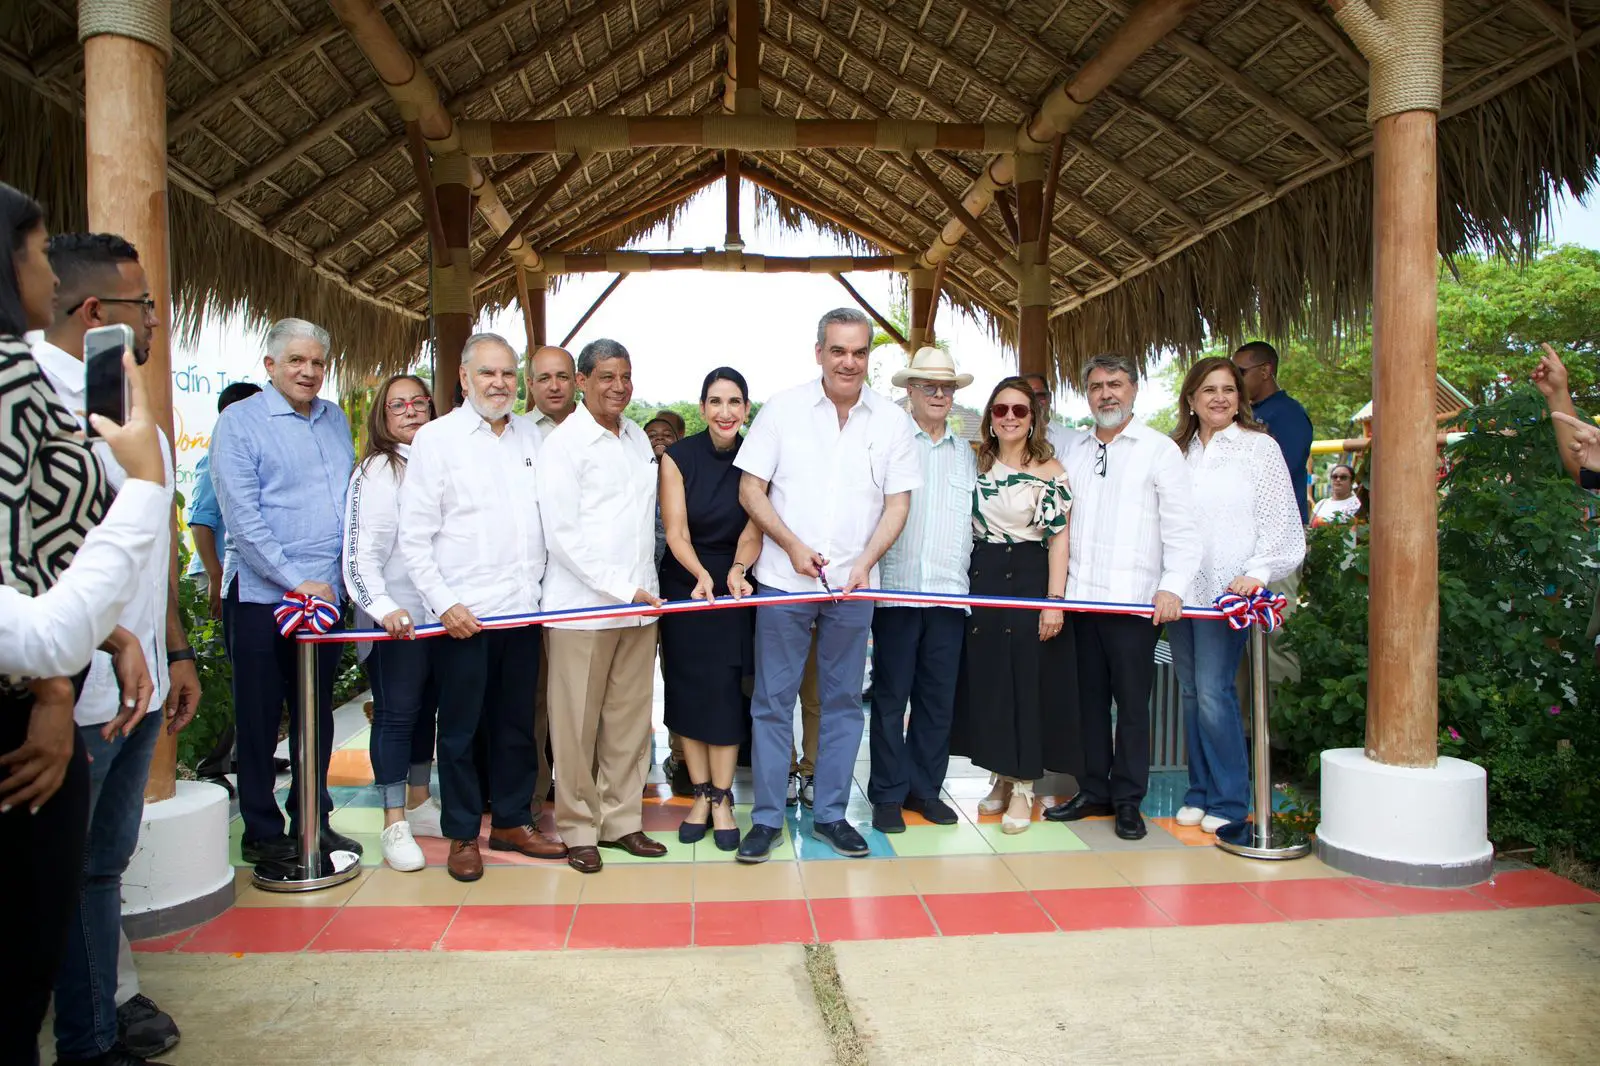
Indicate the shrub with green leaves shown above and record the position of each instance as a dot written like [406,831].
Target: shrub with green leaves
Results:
[1519,692]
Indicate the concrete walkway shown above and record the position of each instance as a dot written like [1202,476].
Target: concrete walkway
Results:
[1486,987]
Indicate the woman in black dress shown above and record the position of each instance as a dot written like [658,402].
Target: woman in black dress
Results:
[706,655]
[1016,702]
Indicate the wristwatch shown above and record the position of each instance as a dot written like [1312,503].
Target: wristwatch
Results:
[180,655]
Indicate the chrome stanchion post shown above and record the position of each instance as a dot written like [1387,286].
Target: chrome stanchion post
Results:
[1265,842]
[314,870]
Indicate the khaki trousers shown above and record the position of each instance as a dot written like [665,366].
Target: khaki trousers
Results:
[600,691]
[805,761]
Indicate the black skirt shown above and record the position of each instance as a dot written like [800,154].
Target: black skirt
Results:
[706,657]
[1017,697]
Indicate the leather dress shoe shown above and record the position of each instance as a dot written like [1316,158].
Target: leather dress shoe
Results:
[527,841]
[842,837]
[465,863]
[584,858]
[934,810]
[273,849]
[637,844]
[886,818]
[1079,806]
[1130,823]
[758,843]
[334,841]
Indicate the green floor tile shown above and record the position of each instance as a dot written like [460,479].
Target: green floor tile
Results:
[1040,836]
[923,841]
[676,852]
[354,821]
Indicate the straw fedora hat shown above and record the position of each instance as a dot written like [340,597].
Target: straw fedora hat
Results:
[931,364]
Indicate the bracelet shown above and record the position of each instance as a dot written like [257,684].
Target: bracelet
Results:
[180,656]
[740,565]
[1053,596]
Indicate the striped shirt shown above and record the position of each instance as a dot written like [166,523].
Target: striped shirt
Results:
[932,551]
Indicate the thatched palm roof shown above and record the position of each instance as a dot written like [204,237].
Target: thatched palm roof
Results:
[1221,185]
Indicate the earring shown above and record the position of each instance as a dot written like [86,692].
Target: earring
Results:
[1030,432]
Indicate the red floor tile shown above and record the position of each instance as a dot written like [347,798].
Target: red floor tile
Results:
[385,929]
[975,913]
[871,918]
[1209,904]
[631,925]
[1409,900]
[1318,898]
[1533,888]
[519,928]
[257,930]
[162,943]
[780,921]
[1100,908]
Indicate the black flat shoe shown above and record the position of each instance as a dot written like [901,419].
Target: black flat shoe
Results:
[1130,823]
[725,839]
[692,832]
[934,810]
[273,849]
[1079,806]
[886,818]
[757,844]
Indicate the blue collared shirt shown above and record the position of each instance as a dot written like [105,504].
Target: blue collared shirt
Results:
[203,511]
[280,480]
[933,550]
[1290,426]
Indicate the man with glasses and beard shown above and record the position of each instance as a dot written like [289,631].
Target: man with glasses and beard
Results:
[1133,540]
[473,542]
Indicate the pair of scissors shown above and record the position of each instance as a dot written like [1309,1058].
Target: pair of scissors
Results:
[822,576]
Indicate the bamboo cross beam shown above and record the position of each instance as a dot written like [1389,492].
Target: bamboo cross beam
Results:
[1004,259]
[535,205]
[618,262]
[616,133]
[883,323]
[573,332]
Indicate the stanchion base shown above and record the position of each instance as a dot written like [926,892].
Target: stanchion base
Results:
[1284,843]
[290,877]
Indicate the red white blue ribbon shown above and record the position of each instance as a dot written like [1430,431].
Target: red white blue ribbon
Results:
[1263,608]
[299,612]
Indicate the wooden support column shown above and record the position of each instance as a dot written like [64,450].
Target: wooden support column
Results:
[1405,49]
[453,312]
[1033,277]
[742,91]
[530,297]
[920,282]
[125,58]
[732,242]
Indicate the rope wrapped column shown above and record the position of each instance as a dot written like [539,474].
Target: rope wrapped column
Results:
[453,313]
[126,47]
[1403,42]
[1033,277]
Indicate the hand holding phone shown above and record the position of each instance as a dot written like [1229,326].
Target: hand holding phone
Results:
[136,443]
[105,382]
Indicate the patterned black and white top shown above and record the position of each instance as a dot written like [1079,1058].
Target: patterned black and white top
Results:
[51,486]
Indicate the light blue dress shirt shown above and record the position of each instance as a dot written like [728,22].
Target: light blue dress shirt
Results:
[935,547]
[203,511]
[280,480]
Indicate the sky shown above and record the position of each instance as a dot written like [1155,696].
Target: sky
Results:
[678,325]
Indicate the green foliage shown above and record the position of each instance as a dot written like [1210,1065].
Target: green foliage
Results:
[642,411]
[216,676]
[1519,693]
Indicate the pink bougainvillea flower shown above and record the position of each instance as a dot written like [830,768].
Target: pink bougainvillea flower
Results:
[1453,734]
[1555,709]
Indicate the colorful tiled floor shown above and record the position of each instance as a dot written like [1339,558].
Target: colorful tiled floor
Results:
[961,880]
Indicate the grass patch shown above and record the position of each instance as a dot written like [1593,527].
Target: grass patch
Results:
[1562,864]
[823,970]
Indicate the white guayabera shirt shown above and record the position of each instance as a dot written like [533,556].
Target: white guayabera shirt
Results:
[1245,507]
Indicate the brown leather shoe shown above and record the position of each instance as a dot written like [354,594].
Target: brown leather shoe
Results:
[528,841]
[584,858]
[465,863]
[636,843]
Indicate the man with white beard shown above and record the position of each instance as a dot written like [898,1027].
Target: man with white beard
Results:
[471,537]
[1133,541]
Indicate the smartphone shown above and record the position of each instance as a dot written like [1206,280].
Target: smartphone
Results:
[105,383]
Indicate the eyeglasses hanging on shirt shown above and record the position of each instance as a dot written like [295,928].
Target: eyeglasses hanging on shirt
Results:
[1100,458]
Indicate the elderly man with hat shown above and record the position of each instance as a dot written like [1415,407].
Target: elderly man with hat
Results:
[916,650]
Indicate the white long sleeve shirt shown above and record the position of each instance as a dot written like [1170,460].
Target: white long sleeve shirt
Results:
[1133,525]
[469,515]
[375,573]
[1244,504]
[827,482]
[56,633]
[597,492]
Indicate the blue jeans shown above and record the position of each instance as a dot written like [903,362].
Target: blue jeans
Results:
[404,704]
[783,643]
[1206,655]
[86,987]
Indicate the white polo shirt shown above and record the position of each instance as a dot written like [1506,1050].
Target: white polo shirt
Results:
[827,482]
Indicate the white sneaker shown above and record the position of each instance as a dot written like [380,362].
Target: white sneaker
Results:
[400,850]
[1211,823]
[424,818]
[1190,815]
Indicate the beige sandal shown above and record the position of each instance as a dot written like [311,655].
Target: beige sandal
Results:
[997,799]
[1019,812]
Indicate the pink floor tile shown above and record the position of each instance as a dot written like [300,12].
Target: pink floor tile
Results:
[258,930]
[1209,904]
[631,925]
[782,921]
[871,918]
[515,928]
[1409,900]
[385,929]
[975,913]
[1318,898]
[1100,908]
[1533,888]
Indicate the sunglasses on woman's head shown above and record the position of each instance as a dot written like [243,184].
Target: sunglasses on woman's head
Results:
[1018,410]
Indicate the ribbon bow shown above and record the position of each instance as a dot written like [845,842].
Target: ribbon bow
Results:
[1263,608]
[298,609]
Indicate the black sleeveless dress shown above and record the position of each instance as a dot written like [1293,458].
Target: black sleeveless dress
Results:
[707,655]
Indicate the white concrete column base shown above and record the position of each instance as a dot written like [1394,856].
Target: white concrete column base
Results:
[1403,825]
[179,875]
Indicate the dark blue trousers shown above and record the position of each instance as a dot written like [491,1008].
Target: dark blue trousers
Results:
[916,656]
[489,677]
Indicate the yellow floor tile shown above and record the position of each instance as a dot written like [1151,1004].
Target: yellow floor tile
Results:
[654,883]
[430,887]
[965,873]
[521,885]
[1173,866]
[830,879]
[1046,872]
[736,882]
[247,895]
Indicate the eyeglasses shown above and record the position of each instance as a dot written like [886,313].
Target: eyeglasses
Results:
[934,390]
[147,305]
[1018,410]
[1247,369]
[397,407]
[1100,459]
[1339,477]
